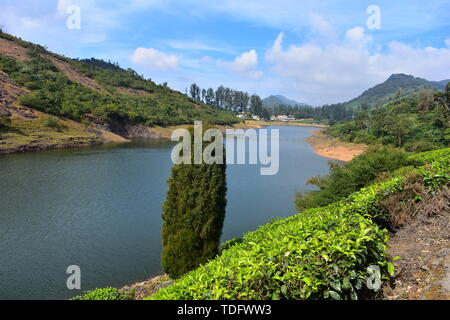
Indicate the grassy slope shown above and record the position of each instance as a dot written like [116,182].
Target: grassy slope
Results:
[25,134]
[34,134]
[47,83]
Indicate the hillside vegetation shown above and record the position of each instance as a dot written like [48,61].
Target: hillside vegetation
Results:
[417,123]
[395,87]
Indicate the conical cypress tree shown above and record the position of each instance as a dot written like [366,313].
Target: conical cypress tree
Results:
[193,216]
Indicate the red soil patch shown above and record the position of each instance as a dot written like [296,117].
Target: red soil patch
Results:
[10,49]
[75,75]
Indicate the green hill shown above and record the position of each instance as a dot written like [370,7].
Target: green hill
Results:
[417,123]
[96,91]
[396,86]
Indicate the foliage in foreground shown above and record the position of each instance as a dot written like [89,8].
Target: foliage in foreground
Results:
[104,294]
[322,253]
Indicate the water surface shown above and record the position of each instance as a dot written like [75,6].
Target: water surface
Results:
[100,208]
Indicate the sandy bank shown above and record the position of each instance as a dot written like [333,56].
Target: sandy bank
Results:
[334,148]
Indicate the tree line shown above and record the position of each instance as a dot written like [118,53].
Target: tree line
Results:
[230,99]
[334,112]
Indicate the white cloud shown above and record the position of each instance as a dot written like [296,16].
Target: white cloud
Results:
[199,45]
[246,65]
[338,72]
[321,30]
[154,60]
[447,42]
[357,35]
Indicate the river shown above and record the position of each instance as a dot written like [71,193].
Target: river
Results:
[100,208]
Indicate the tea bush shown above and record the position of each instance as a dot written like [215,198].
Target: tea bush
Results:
[322,253]
[104,294]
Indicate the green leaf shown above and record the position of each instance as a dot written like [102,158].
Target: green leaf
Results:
[390,268]
[284,290]
[335,295]
[307,281]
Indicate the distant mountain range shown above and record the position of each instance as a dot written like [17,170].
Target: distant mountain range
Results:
[276,100]
[396,86]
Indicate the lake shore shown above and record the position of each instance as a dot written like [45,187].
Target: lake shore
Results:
[166,132]
[333,148]
[30,133]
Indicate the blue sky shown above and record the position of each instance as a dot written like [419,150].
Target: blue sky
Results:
[312,51]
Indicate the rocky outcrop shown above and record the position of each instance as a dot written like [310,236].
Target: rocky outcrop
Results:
[139,131]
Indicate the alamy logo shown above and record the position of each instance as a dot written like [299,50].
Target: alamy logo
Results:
[235,143]
[74,280]
[73,22]
[374,20]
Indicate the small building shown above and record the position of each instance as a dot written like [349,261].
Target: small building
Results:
[255,117]
[282,117]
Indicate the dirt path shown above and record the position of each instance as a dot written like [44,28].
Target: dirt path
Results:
[333,148]
[145,289]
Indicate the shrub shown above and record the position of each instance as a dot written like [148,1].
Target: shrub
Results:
[343,180]
[54,123]
[4,122]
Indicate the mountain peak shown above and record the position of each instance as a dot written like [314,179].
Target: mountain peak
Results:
[396,86]
[276,100]
[400,76]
